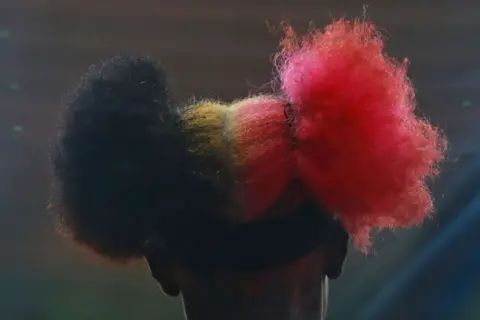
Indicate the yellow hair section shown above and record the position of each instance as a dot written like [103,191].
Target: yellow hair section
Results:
[204,124]
[208,126]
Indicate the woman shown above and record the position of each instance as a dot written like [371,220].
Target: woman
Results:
[246,209]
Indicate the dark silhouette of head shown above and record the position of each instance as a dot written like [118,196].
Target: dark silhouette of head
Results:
[246,209]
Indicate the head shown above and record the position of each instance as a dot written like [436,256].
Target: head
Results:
[245,209]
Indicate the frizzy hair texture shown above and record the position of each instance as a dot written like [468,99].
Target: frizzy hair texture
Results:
[126,157]
[121,161]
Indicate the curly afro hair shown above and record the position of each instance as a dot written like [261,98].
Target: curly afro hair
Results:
[120,161]
[342,127]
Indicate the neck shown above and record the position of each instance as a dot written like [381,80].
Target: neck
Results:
[295,306]
[297,293]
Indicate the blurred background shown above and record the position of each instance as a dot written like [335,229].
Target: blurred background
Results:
[222,49]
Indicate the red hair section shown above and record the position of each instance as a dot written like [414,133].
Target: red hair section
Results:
[262,151]
[361,150]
